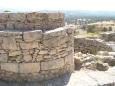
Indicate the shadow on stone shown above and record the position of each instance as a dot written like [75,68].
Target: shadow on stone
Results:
[59,81]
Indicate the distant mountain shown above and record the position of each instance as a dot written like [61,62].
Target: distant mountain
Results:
[89,13]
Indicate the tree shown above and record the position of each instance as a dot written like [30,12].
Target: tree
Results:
[7,11]
[91,28]
[104,29]
[110,28]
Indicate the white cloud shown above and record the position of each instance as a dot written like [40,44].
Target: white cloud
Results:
[58,4]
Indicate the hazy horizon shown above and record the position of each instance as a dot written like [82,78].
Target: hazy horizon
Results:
[37,5]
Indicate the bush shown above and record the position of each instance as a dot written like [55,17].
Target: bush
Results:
[91,28]
[104,29]
[110,28]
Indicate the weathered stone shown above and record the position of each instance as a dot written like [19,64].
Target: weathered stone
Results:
[33,17]
[43,52]
[2,26]
[9,43]
[102,66]
[30,36]
[27,58]
[103,53]
[30,45]
[2,52]
[11,67]
[58,63]
[14,53]
[10,25]
[3,57]
[29,67]
[37,58]
[17,17]
[69,59]
[3,17]
[77,61]
[53,42]
[19,26]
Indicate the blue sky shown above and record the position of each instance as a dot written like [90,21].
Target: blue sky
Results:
[36,5]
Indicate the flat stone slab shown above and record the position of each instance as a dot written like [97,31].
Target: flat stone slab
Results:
[78,78]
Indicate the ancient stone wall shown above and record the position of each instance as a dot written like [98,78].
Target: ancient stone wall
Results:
[33,47]
[108,36]
[86,45]
[31,21]
[36,55]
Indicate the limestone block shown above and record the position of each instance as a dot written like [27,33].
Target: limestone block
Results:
[29,26]
[11,67]
[14,53]
[33,17]
[30,36]
[53,16]
[53,51]
[37,58]
[9,43]
[2,26]
[54,33]
[3,17]
[10,25]
[3,57]
[69,59]
[30,45]
[29,67]
[52,42]
[19,26]
[25,52]
[2,52]
[27,58]
[43,52]
[58,63]
[18,17]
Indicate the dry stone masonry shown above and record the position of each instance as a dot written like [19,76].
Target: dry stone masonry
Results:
[30,53]
[92,46]
[31,21]
[108,36]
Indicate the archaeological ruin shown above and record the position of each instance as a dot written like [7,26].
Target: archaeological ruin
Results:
[35,46]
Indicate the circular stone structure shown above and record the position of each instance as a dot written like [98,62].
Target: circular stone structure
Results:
[34,46]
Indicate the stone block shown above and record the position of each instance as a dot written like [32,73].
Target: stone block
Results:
[18,17]
[27,58]
[30,45]
[2,52]
[11,67]
[54,33]
[30,36]
[43,52]
[14,53]
[53,16]
[2,26]
[10,25]
[9,43]
[19,26]
[33,17]
[3,17]
[3,57]
[54,64]
[52,42]
[69,59]
[29,67]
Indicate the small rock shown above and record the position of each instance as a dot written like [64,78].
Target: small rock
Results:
[102,66]
[78,63]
